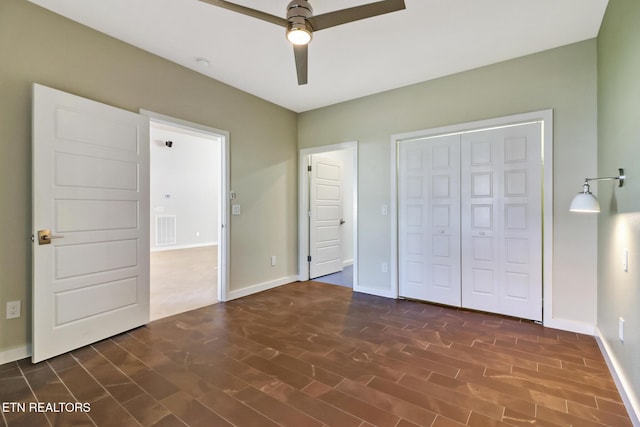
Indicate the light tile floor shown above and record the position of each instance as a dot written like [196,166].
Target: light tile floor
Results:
[183,280]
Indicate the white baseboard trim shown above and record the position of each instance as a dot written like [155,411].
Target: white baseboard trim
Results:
[15,354]
[375,291]
[629,397]
[253,289]
[176,247]
[347,263]
[570,326]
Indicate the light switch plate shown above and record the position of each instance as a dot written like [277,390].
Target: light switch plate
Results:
[625,259]
[235,210]
[13,309]
[621,329]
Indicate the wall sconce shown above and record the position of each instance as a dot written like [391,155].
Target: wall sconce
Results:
[586,201]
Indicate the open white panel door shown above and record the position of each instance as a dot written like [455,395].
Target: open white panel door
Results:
[90,222]
[325,220]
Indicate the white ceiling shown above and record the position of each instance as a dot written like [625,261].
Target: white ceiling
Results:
[429,39]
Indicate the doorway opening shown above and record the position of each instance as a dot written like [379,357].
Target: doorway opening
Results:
[187,216]
[328,214]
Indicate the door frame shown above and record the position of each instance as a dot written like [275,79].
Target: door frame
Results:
[546,119]
[303,206]
[223,206]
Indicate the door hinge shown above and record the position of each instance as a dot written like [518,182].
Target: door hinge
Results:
[309,214]
[309,258]
[309,168]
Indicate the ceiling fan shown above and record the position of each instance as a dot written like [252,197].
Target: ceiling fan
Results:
[300,22]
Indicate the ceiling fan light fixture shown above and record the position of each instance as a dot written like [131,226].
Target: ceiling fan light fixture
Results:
[298,34]
[299,31]
[301,23]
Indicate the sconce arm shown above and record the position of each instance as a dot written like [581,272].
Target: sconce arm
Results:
[619,178]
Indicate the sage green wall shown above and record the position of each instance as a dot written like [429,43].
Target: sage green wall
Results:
[619,221]
[563,79]
[39,46]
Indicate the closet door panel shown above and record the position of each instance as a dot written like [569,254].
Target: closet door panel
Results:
[501,220]
[429,220]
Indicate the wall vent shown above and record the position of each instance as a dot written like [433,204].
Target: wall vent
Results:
[165,230]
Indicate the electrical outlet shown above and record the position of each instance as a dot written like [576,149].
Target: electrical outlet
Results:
[13,309]
[236,210]
[625,259]
[384,267]
[621,329]
[273,261]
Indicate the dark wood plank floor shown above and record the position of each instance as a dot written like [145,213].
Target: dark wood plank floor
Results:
[310,354]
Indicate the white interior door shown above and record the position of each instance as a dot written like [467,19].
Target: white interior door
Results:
[429,220]
[502,221]
[325,222]
[91,190]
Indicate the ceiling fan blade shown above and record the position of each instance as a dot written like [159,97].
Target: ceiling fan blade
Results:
[248,11]
[355,13]
[300,52]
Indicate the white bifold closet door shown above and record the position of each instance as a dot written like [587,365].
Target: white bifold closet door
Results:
[501,206]
[469,220]
[429,220]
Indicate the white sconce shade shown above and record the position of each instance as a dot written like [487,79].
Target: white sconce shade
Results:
[585,201]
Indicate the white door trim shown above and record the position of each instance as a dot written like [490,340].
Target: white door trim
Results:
[303,203]
[223,243]
[544,116]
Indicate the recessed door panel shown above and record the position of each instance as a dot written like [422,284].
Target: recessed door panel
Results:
[516,251]
[515,149]
[441,188]
[482,217]
[92,215]
[86,128]
[91,258]
[516,217]
[517,286]
[482,249]
[482,184]
[515,183]
[414,243]
[94,301]
[441,216]
[441,246]
[413,216]
[414,187]
[97,172]
[482,282]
